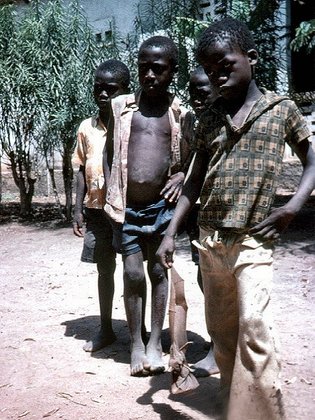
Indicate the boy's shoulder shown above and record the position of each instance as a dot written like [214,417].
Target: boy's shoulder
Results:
[119,103]
[88,123]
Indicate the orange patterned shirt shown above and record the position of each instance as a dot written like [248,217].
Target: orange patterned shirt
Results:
[91,138]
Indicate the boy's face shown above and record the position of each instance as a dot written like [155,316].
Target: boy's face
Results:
[229,69]
[106,87]
[155,71]
[200,92]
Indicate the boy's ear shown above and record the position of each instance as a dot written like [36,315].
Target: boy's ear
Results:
[252,57]
[175,69]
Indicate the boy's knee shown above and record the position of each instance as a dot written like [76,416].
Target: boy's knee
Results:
[134,276]
[157,273]
[106,267]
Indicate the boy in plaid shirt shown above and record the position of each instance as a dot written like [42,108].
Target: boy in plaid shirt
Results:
[239,147]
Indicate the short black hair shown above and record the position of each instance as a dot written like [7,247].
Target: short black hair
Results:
[117,68]
[164,42]
[232,31]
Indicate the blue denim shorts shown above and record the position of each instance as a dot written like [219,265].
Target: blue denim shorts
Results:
[143,227]
[98,237]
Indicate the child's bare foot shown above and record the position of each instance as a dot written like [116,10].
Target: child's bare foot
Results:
[139,365]
[206,366]
[99,341]
[154,355]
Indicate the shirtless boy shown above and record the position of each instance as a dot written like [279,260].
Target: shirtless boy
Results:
[111,79]
[145,182]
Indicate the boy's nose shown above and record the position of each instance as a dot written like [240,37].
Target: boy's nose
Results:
[103,94]
[150,74]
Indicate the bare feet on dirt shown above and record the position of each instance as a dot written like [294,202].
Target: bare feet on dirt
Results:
[205,367]
[154,355]
[100,341]
[139,365]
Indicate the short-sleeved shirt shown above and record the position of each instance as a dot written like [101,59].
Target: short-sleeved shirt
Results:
[245,163]
[91,138]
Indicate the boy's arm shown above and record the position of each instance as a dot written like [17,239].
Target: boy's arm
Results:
[108,150]
[78,207]
[174,184]
[280,218]
[189,196]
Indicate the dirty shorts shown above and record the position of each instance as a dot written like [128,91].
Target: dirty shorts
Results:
[98,237]
[143,226]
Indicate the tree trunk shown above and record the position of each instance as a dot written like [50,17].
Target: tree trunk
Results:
[26,185]
[26,196]
[51,172]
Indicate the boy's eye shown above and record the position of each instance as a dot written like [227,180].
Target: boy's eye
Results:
[110,90]
[155,68]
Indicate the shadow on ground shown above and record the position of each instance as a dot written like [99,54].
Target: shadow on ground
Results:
[84,328]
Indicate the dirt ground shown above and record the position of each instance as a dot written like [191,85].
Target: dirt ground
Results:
[49,308]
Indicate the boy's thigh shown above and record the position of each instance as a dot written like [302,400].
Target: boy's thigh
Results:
[98,238]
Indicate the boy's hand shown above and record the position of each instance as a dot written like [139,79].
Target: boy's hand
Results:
[274,224]
[77,224]
[165,251]
[173,187]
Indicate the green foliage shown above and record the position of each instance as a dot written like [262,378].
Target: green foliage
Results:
[304,36]
[47,65]
[180,21]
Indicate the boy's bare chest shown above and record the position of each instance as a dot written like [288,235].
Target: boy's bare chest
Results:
[150,141]
[150,125]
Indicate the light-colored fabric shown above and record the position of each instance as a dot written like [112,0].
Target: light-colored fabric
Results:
[91,138]
[123,108]
[245,162]
[237,274]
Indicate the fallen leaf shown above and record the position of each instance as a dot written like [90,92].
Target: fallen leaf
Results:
[98,400]
[290,381]
[306,381]
[25,413]
[50,413]
[5,385]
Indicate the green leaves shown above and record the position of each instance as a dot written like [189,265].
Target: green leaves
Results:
[304,36]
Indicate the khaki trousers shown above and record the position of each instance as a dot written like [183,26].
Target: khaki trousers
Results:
[237,274]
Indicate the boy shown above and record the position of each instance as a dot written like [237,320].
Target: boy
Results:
[200,97]
[239,146]
[111,79]
[146,163]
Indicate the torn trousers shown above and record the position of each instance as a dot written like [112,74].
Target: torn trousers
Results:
[237,274]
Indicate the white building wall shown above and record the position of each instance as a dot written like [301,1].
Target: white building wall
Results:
[100,13]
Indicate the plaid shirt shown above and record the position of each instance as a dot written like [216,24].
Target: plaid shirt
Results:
[91,138]
[123,108]
[245,163]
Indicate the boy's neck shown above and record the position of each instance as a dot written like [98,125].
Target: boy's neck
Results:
[240,110]
[154,106]
[251,95]
[104,116]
